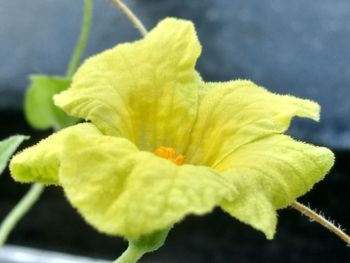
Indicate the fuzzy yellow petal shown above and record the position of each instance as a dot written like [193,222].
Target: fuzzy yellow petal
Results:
[40,163]
[270,174]
[232,114]
[144,95]
[123,191]
[144,91]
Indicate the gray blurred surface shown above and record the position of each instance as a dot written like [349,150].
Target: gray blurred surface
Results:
[15,254]
[297,47]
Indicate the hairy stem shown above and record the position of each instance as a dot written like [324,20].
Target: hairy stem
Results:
[144,244]
[16,214]
[321,220]
[83,38]
[131,16]
[131,255]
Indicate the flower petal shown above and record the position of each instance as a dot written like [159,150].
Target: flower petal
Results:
[234,113]
[123,191]
[40,163]
[143,91]
[270,174]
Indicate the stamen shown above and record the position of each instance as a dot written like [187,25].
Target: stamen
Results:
[170,154]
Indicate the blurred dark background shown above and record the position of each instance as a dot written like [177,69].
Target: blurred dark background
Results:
[291,47]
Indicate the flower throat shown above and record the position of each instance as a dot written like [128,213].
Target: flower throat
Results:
[170,154]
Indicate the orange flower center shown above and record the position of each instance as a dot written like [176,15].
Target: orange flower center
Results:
[170,154]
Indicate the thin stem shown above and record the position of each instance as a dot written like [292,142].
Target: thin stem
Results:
[142,245]
[321,220]
[131,255]
[16,214]
[131,16]
[83,38]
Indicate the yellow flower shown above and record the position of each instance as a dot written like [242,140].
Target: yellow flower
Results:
[163,144]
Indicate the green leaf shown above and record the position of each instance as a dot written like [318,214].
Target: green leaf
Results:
[8,147]
[40,110]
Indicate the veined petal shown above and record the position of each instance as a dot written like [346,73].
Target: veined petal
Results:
[143,91]
[232,114]
[40,163]
[270,174]
[123,191]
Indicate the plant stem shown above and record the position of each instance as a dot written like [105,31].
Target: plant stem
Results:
[83,38]
[131,16]
[19,211]
[142,245]
[131,255]
[321,220]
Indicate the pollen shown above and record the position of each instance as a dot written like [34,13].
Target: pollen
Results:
[170,154]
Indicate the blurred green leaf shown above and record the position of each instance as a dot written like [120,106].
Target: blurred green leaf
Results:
[39,108]
[8,147]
